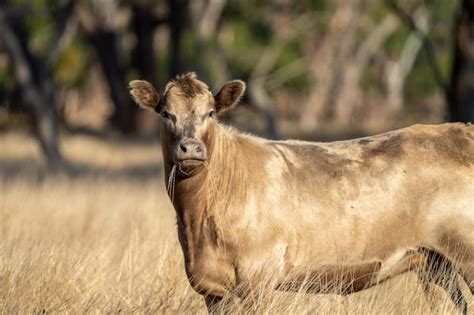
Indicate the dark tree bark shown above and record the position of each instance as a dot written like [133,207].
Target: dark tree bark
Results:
[144,23]
[176,20]
[105,43]
[37,87]
[461,106]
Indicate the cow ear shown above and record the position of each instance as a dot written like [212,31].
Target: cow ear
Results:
[229,95]
[144,94]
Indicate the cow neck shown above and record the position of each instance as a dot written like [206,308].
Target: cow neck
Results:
[203,189]
[199,197]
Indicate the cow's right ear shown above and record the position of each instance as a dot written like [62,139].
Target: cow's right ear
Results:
[145,95]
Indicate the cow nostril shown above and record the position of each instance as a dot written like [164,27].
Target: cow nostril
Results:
[183,148]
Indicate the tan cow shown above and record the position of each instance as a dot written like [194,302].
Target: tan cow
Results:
[351,212]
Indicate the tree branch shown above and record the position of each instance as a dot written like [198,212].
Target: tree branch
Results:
[64,31]
[34,92]
[426,42]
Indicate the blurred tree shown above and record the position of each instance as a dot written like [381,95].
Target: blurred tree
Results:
[283,26]
[98,22]
[34,73]
[176,22]
[459,91]
[397,70]
[205,19]
[144,23]
[461,106]
[309,65]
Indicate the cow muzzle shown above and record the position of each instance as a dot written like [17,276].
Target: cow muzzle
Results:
[191,152]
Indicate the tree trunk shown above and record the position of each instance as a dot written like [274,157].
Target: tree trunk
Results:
[177,18]
[324,65]
[105,42]
[205,16]
[461,106]
[144,56]
[37,89]
[47,133]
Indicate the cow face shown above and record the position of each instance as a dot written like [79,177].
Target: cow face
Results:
[188,110]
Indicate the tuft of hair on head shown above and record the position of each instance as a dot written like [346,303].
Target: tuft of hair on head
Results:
[185,76]
[188,84]
[144,94]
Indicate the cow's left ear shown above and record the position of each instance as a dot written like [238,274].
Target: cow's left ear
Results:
[229,95]
[145,95]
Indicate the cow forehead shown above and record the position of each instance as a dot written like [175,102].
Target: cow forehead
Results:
[182,103]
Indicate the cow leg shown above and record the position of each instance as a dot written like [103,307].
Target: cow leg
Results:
[466,268]
[440,272]
[469,277]
[212,303]
[396,265]
[354,278]
[331,279]
[456,246]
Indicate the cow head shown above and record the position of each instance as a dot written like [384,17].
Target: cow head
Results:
[188,110]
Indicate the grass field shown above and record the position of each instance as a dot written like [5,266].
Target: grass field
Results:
[103,240]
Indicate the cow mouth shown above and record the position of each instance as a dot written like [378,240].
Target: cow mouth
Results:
[191,162]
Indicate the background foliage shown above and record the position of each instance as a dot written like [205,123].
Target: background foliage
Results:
[85,224]
[315,69]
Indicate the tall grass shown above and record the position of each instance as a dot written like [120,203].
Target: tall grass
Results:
[103,240]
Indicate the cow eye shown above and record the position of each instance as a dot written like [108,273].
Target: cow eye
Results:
[212,114]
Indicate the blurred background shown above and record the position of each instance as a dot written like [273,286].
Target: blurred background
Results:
[85,222]
[315,69]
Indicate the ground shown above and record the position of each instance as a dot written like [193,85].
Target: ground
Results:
[102,239]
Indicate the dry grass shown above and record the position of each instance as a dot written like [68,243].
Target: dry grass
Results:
[104,241]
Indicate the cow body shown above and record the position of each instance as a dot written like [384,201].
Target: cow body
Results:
[300,206]
[311,215]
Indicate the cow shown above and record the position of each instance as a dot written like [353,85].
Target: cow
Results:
[354,212]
